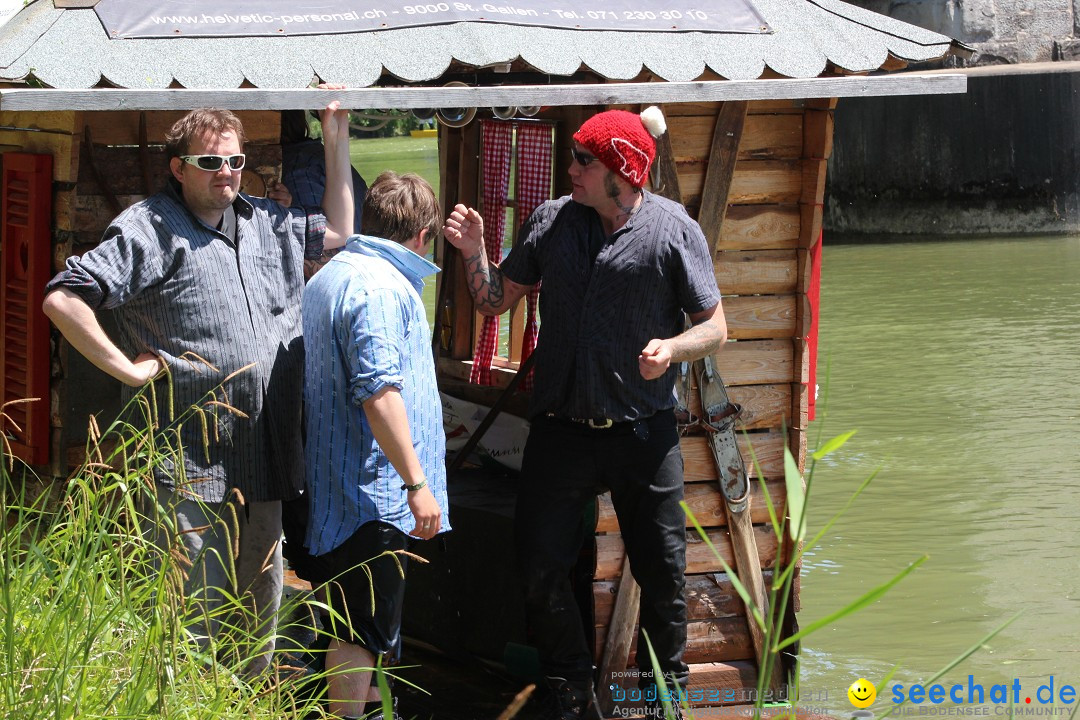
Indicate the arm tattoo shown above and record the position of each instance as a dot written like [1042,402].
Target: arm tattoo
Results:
[697,342]
[485,284]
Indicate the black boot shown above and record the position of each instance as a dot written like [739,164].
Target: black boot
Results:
[572,700]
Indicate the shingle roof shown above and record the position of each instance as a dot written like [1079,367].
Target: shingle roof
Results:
[69,49]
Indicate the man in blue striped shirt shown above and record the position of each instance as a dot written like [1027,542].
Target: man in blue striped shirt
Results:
[204,284]
[375,446]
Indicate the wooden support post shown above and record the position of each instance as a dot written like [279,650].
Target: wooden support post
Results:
[748,567]
[665,176]
[620,635]
[462,341]
[721,169]
[144,156]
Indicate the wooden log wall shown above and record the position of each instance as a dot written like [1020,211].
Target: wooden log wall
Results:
[772,220]
[90,181]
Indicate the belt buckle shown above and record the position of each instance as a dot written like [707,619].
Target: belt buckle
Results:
[603,425]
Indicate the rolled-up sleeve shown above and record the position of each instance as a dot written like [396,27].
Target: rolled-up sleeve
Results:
[696,286]
[309,223]
[372,332]
[521,265]
[123,264]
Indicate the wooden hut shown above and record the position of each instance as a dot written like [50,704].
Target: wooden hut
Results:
[87,90]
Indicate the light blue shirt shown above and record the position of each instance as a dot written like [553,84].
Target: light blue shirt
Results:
[365,328]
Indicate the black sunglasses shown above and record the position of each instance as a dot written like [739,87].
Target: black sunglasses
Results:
[213,163]
[583,159]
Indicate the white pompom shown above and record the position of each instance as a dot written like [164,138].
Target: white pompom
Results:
[653,120]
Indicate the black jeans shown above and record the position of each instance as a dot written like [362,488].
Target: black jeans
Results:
[352,590]
[565,465]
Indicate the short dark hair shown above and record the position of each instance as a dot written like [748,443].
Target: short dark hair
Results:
[294,126]
[198,122]
[398,207]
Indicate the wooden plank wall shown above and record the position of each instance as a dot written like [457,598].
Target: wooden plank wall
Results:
[762,268]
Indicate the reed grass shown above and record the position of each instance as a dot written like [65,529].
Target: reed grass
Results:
[94,620]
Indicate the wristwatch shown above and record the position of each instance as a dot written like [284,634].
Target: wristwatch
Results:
[413,488]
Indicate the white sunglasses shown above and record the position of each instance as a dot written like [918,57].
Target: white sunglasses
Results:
[213,163]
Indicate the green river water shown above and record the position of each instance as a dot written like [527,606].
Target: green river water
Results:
[958,363]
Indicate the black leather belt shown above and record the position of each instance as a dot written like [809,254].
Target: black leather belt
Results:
[639,427]
[594,423]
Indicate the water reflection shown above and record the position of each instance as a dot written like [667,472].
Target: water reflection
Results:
[958,364]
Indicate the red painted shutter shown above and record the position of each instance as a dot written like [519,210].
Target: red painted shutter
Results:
[25,219]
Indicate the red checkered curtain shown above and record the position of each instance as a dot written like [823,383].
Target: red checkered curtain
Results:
[533,188]
[496,141]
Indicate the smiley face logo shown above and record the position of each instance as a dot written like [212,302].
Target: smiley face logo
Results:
[862,693]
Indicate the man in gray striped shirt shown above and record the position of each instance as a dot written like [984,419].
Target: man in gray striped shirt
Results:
[204,284]
[620,266]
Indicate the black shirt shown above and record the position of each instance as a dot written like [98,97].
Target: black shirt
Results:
[597,316]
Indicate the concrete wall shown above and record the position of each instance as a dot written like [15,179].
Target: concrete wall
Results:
[1002,31]
[1002,159]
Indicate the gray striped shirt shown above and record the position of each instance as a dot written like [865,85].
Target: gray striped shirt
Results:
[184,290]
[597,316]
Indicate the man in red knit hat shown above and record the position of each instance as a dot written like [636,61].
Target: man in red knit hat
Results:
[620,266]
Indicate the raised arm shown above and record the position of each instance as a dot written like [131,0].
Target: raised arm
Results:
[337,200]
[492,292]
[79,325]
[708,333]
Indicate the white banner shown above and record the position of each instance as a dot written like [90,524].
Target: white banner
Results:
[238,18]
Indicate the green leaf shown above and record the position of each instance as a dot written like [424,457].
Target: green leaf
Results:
[384,689]
[833,445]
[796,496]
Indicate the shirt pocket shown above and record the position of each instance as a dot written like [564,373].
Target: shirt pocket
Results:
[279,279]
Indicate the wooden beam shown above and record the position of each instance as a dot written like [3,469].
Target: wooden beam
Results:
[758,272]
[817,133]
[724,639]
[756,362]
[706,503]
[764,406]
[760,227]
[385,98]
[707,596]
[727,134]
[767,447]
[122,128]
[665,176]
[761,317]
[699,558]
[765,137]
[462,341]
[619,635]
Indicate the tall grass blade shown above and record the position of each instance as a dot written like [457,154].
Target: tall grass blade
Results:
[866,599]
[796,496]
[832,445]
[961,658]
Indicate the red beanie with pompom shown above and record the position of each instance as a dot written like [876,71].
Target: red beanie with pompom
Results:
[624,141]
